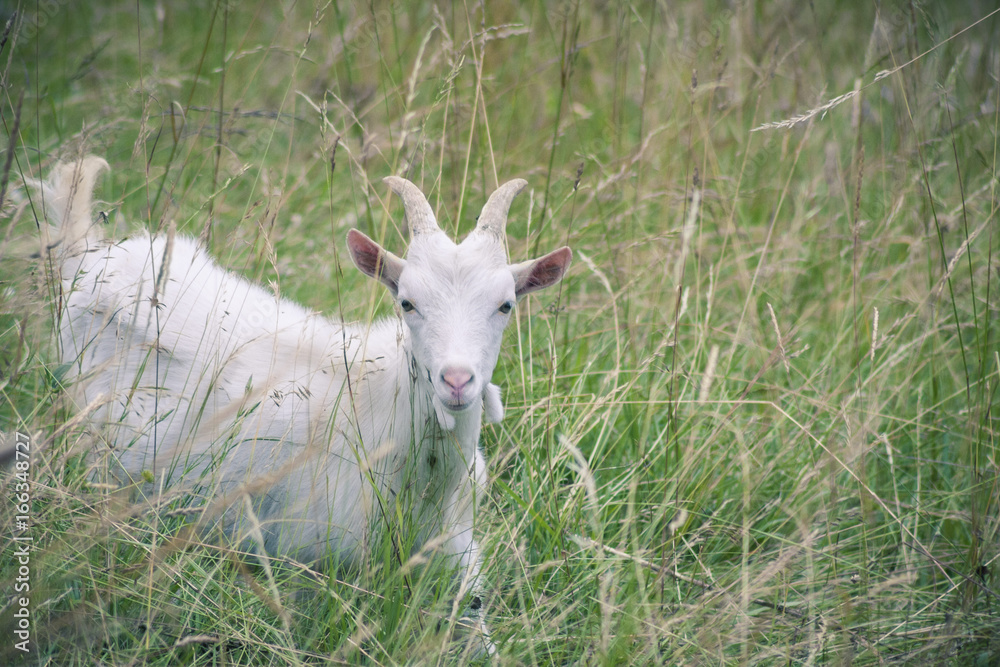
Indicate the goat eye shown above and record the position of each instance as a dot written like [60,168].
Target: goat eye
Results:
[506,307]
[406,305]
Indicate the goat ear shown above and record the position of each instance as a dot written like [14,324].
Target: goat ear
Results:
[374,260]
[536,274]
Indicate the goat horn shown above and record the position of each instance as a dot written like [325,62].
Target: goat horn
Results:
[493,219]
[419,215]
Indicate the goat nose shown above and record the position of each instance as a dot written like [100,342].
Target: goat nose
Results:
[456,378]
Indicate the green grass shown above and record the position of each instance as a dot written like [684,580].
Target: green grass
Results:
[756,424]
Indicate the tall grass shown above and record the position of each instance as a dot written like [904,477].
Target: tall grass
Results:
[757,423]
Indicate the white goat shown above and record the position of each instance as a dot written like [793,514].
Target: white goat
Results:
[315,432]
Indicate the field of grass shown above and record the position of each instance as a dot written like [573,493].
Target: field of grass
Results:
[756,424]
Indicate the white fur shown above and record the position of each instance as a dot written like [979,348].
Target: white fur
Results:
[326,428]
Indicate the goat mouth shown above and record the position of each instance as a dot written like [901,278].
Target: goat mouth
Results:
[456,405]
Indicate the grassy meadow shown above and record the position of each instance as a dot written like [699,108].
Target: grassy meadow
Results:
[756,424]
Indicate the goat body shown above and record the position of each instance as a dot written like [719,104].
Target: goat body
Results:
[313,431]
